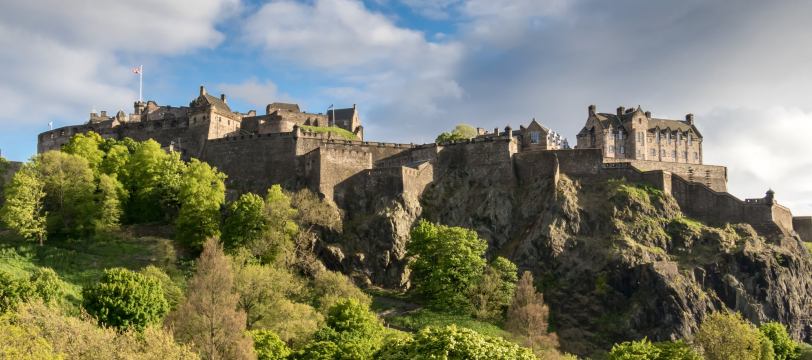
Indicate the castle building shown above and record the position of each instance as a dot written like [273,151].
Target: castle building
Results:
[298,149]
[634,134]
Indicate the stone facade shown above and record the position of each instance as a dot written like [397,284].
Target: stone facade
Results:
[257,151]
[635,134]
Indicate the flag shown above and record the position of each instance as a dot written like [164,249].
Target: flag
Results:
[50,125]
[137,70]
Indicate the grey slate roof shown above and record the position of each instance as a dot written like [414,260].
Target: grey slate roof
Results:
[285,106]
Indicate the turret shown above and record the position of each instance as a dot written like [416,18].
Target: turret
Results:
[770,197]
[620,110]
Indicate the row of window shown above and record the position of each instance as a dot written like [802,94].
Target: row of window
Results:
[620,149]
[640,136]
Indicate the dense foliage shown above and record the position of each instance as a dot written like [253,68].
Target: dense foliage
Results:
[460,132]
[447,263]
[453,343]
[125,299]
[646,350]
[43,284]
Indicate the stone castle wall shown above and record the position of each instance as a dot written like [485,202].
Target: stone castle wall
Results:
[255,162]
[803,226]
[715,177]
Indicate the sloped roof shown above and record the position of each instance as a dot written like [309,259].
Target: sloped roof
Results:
[216,102]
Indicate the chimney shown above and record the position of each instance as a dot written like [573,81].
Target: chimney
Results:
[689,118]
[592,110]
[648,114]
[353,106]
[620,110]
[202,90]
[104,113]
[223,98]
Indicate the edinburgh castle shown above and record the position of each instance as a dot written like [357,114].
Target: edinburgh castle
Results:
[328,154]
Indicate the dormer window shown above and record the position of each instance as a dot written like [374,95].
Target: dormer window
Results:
[535,137]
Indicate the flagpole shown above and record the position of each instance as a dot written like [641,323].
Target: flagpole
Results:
[140,83]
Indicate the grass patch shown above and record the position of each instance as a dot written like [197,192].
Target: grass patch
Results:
[336,131]
[423,318]
[82,263]
[808,246]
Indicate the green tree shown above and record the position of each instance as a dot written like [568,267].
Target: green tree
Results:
[494,293]
[45,284]
[261,288]
[172,292]
[331,287]
[245,223]
[110,197]
[278,242]
[69,187]
[460,132]
[352,331]
[634,350]
[724,336]
[201,195]
[783,346]
[452,343]
[86,146]
[125,299]
[268,346]
[446,263]
[208,319]
[115,162]
[153,181]
[23,210]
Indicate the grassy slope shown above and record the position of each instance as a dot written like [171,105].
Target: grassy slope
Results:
[80,263]
[331,129]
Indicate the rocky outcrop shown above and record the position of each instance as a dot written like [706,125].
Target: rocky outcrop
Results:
[616,261]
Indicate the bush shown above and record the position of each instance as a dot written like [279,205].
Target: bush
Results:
[353,328]
[645,350]
[452,343]
[330,287]
[783,346]
[446,263]
[725,336]
[268,346]
[43,284]
[494,292]
[125,299]
[172,292]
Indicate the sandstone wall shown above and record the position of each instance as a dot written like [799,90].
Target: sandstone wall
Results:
[713,176]
[803,226]
[255,162]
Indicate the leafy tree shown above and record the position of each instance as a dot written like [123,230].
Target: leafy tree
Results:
[460,132]
[4,166]
[23,210]
[245,223]
[447,262]
[43,284]
[268,346]
[330,287]
[314,212]
[278,242]
[351,332]
[172,292]
[21,343]
[125,299]
[153,181]
[81,338]
[725,336]
[208,319]
[69,187]
[115,162]
[635,350]
[494,293]
[201,195]
[261,288]
[452,343]
[110,198]
[527,316]
[86,146]
[783,346]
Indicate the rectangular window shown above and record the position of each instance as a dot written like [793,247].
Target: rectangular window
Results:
[689,139]
[653,152]
[658,137]
[696,156]
[535,137]
[662,152]
[622,149]
[668,136]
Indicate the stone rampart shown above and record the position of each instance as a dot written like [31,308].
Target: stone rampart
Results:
[803,226]
[255,162]
[715,177]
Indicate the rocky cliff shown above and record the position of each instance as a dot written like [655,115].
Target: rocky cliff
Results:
[616,261]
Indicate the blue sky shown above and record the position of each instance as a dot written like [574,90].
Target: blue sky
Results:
[418,67]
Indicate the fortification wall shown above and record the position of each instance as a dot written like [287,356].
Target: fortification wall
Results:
[415,179]
[255,162]
[310,141]
[417,154]
[535,164]
[337,163]
[715,177]
[190,141]
[803,226]
[495,153]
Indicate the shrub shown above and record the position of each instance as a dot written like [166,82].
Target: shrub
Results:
[725,336]
[783,346]
[268,346]
[43,284]
[446,263]
[330,287]
[125,299]
[452,343]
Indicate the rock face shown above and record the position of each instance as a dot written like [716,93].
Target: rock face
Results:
[615,261]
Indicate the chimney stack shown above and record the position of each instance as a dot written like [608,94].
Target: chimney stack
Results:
[223,98]
[353,106]
[592,109]
[689,118]
[620,110]
[648,114]
[202,90]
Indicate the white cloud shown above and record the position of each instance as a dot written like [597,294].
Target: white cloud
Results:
[61,59]
[254,93]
